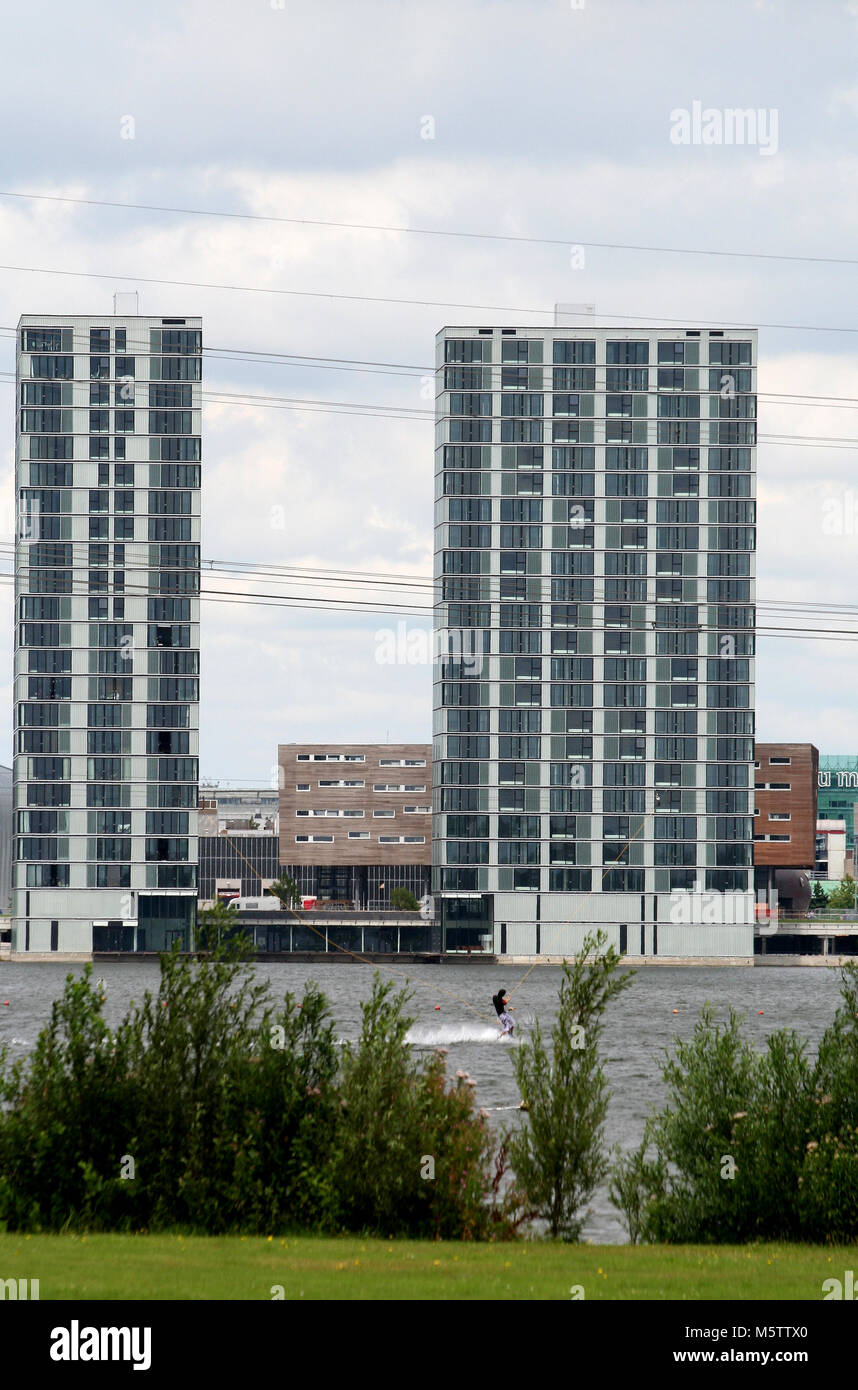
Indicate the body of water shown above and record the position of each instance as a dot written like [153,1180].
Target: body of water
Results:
[639,1026]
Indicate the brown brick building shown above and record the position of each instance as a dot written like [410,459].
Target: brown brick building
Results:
[356,819]
[785,786]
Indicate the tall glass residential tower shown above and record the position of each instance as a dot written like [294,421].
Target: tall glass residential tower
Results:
[594,701]
[107,566]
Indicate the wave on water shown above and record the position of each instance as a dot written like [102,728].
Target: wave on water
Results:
[445,1034]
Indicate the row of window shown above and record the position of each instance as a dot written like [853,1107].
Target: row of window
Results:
[60,422]
[529,827]
[617,379]
[173,795]
[726,725]
[45,822]
[57,394]
[626,800]
[668,511]
[362,835]
[110,875]
[616,880]
[102,741]
[61,555]
[514,539]
[50,609]
[533,405]
[56,582]
[526,641]
[614,774]
[53,447]
[357,758]
[530,852]
[568,695]
[168,340]
[514,794]
[163,688]
[472,430]
[533,615]
[108,716]
[156,849]
[633,562]
[48,371]
[164,636]
[528,747]
[352,782]
[616,484]
[583,590]
[582,351]
[583,457]
[38,503]
[160,528]
[620,745]
[50,769]
[622,668]
[377,815]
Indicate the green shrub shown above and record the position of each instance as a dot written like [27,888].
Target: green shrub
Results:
[63,1117]
[404,900]
[414,1155]
[751,1146]
[238,1116]
[558,1154]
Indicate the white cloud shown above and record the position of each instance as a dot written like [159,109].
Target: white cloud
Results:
[549,122]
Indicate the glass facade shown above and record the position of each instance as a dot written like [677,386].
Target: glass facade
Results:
[107,565]
[594,700]
[838,791]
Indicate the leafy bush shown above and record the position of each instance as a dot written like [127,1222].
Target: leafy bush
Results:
[414,1155]
[62,1118]
[239,1116]
[558,1154]
[404,900]
[286,889]
[751,1146]
[843,896]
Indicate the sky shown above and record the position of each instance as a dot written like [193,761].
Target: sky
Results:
[541,119]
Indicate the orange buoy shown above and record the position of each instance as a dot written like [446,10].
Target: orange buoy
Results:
[676,1011]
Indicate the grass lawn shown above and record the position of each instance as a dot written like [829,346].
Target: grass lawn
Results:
[235,1267]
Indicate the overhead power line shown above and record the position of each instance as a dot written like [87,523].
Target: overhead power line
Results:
[425,584]
[388,299]
[508,237]
[318,362]
[336,605]
[420,415]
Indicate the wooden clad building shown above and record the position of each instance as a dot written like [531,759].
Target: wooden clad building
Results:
[356,820]
[785,786]
[355,803]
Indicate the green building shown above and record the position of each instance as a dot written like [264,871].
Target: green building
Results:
[838,790]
